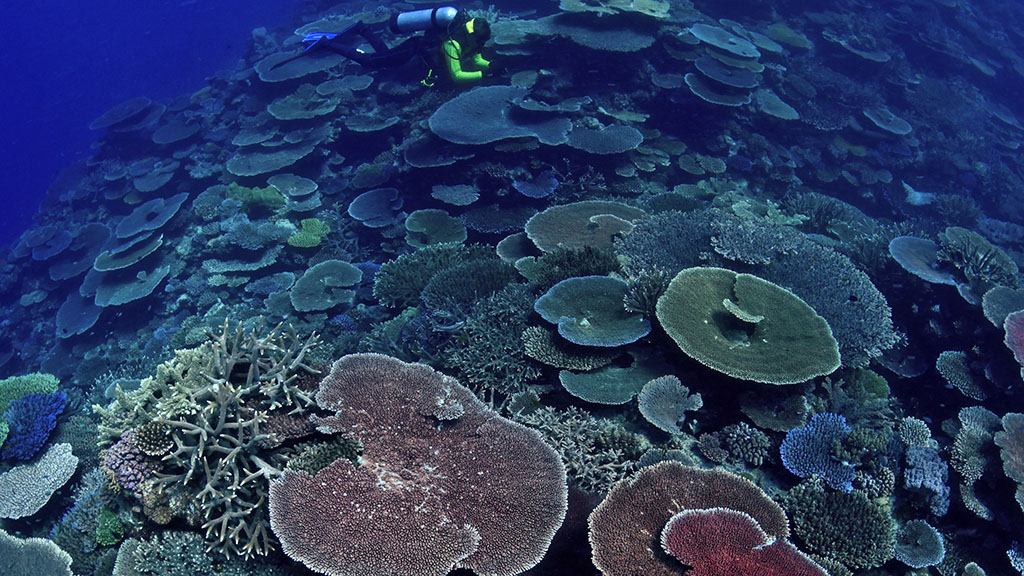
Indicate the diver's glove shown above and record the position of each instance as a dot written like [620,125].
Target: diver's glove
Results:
[497,72]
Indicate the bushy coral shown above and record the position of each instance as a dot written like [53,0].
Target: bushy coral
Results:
[76,532]
[487,349]
[399,282]
[810,451]
[109,529]
[31,418]
[564,262]
[256,200]
[845,527]
[452,292]
[926,473]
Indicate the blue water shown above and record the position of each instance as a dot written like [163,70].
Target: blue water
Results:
[65,63]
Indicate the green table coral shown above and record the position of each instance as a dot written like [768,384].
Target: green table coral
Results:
[589,311]
[746,327]
[312,233]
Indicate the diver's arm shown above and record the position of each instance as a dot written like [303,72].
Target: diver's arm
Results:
[451,52]
[480,62]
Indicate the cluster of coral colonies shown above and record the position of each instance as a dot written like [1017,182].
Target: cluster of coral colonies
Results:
[539,290]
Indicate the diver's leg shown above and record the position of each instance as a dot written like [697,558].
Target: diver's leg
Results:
[372,38]
[348,51]
[401,54]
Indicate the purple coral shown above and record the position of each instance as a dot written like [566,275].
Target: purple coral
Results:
[808,451]
[128,464]
[540,186]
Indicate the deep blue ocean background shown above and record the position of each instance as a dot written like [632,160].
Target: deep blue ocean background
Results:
[65,63]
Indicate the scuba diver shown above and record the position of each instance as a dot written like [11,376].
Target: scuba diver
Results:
[452,41]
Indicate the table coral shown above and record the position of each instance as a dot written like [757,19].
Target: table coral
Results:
[443,482]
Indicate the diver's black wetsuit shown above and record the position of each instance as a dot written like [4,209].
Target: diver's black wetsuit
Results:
[382,55]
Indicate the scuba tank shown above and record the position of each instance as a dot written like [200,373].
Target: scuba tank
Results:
[423,20]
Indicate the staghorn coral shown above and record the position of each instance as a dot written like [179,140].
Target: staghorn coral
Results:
[581,440]
[219,402]
[443,481]
[180,553]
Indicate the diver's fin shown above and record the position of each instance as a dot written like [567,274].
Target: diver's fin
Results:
[293,58]
[315,40]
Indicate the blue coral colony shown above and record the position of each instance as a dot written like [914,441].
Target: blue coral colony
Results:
[622,287]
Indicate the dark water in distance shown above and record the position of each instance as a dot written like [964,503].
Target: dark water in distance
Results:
[65,63]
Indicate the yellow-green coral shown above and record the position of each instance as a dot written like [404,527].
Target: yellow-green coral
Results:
[256,198]
[17,386]
[312,232]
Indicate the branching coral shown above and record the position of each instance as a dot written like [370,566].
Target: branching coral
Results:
[223,404]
